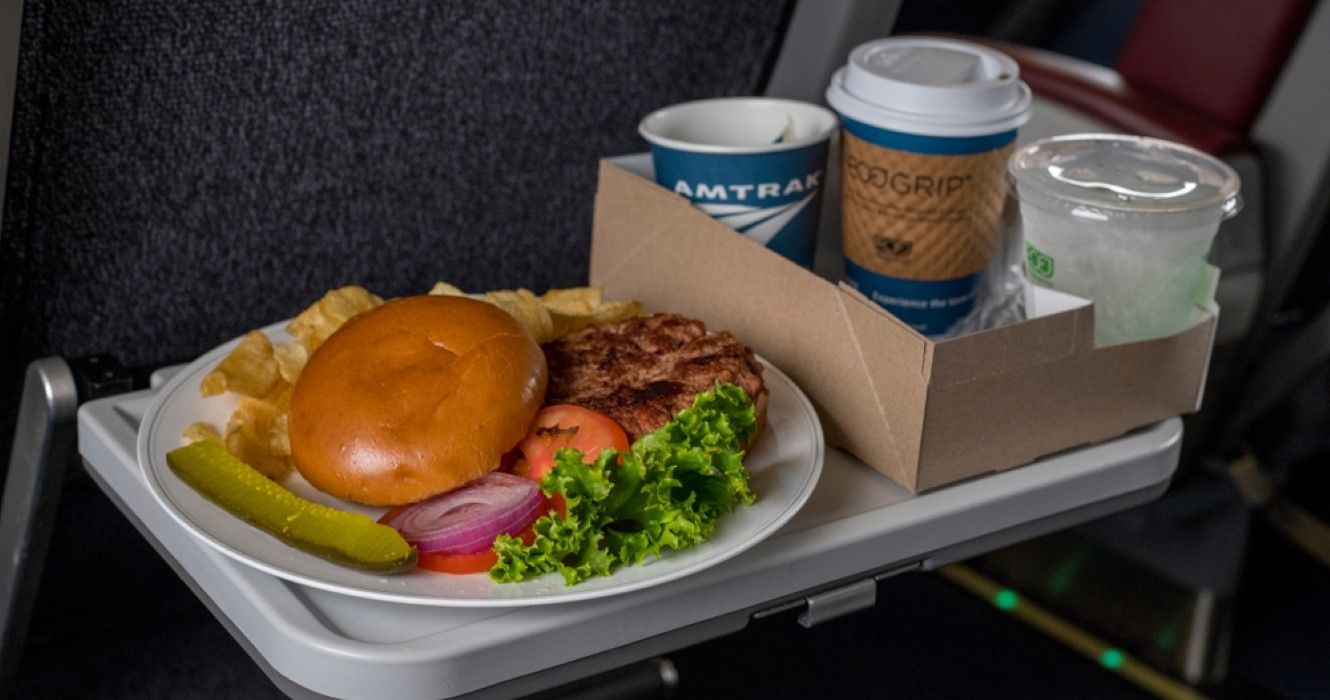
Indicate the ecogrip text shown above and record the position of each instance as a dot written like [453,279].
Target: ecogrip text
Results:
[904,183]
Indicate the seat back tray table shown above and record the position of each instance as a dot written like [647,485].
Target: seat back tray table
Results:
[857,526]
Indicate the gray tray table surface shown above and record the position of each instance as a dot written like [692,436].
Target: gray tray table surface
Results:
[857,527]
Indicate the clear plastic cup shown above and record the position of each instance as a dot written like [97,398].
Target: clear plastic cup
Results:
[1126,222]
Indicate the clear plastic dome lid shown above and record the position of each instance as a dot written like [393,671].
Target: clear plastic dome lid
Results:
[1107,177]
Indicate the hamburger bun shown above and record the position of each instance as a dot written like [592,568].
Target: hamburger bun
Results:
[414,398]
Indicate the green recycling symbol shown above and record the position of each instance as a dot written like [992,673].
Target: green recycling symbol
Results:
[1039,264]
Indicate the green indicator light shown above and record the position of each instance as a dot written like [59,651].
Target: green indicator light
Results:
[1112,658]
[1006,599]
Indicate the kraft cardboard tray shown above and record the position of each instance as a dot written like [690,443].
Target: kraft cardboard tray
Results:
[923,413]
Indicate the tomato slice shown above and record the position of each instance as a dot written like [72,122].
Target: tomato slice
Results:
[557,427]
[556,504]
[458,563]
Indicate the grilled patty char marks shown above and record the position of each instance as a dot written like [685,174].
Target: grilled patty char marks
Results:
[643,371]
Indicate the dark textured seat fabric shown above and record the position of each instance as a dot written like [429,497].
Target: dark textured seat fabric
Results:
[182,172]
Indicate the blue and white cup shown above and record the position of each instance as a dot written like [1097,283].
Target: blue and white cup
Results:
[756,164]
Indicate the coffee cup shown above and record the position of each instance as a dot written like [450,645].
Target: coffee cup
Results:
[755,164]
[927,125]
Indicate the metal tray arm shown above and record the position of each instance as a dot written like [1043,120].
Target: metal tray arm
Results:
[44,443]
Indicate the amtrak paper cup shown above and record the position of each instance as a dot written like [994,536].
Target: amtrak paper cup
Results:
[928,124]
[754,164]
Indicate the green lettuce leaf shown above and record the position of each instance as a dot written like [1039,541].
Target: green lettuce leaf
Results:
[667,492]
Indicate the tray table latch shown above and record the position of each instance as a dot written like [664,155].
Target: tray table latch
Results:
[842,600]
[829,605]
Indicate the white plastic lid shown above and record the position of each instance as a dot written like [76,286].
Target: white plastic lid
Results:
[1103,177]
[931,87]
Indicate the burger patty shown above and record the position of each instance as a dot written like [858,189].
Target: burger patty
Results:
[643,371]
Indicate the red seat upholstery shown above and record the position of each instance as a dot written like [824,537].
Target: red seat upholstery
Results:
[1192,71]
[1216,58]
[1103,94]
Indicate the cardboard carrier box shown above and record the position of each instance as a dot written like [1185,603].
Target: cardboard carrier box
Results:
[923,413]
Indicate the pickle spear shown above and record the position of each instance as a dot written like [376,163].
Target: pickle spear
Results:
[341,536]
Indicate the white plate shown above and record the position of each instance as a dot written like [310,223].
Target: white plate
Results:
[784,469]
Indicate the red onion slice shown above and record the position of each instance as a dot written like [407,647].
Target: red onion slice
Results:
[467,519]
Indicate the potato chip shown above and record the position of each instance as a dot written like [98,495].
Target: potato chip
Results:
[213,383]
[616,311]
[574,301]
[555,313]
[565,323]
[201,431]
[248,437]
[316,323]
[249,370]
[443,289]
[524,306]
[280,397]
[290,359]
[279,440]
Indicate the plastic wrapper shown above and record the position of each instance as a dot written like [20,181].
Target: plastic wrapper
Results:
[1001,296]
